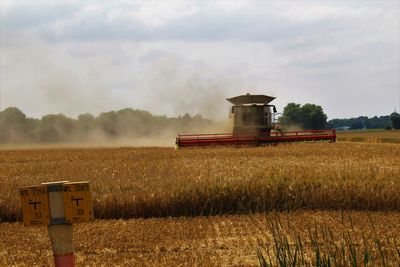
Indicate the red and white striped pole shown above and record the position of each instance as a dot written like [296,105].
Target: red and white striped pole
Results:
[60,231]
[61,242]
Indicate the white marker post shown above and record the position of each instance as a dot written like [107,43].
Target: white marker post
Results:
[59,231]
[58,205]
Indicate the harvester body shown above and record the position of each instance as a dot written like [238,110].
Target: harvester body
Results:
[253,124]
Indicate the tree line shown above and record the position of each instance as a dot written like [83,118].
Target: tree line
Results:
[311,116]
[362,122]
[16,127]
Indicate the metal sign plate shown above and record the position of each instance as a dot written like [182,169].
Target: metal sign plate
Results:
[77,202]
[35,205]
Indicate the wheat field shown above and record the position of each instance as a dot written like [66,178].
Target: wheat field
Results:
[160,182]
[370,136]
[307,203]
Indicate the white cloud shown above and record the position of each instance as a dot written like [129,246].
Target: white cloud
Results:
[148,13]
[157,13]
[316,12]
[228,6]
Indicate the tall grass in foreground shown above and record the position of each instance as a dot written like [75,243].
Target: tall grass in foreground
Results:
[324,246]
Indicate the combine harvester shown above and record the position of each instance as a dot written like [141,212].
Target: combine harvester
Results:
[254,124]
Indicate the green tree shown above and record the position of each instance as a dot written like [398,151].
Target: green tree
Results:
[308,116]
[86,122]
[106,122]
[313,117]
[14,126]
[56,128]
[357,125]
[130,122]
[291,115]
[395,119]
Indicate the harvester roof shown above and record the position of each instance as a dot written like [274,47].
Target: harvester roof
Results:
[250,99]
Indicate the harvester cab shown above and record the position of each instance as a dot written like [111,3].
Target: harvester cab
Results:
[252,114]
[253,124]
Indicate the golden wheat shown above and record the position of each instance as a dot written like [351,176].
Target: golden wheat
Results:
[158,182]
[369,136]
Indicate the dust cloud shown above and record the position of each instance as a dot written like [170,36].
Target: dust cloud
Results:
[126,127]
[183,95]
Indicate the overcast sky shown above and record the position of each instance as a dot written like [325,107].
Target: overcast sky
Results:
[170,57]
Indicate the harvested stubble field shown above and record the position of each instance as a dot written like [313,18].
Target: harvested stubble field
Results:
[161,182]
[217,240]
